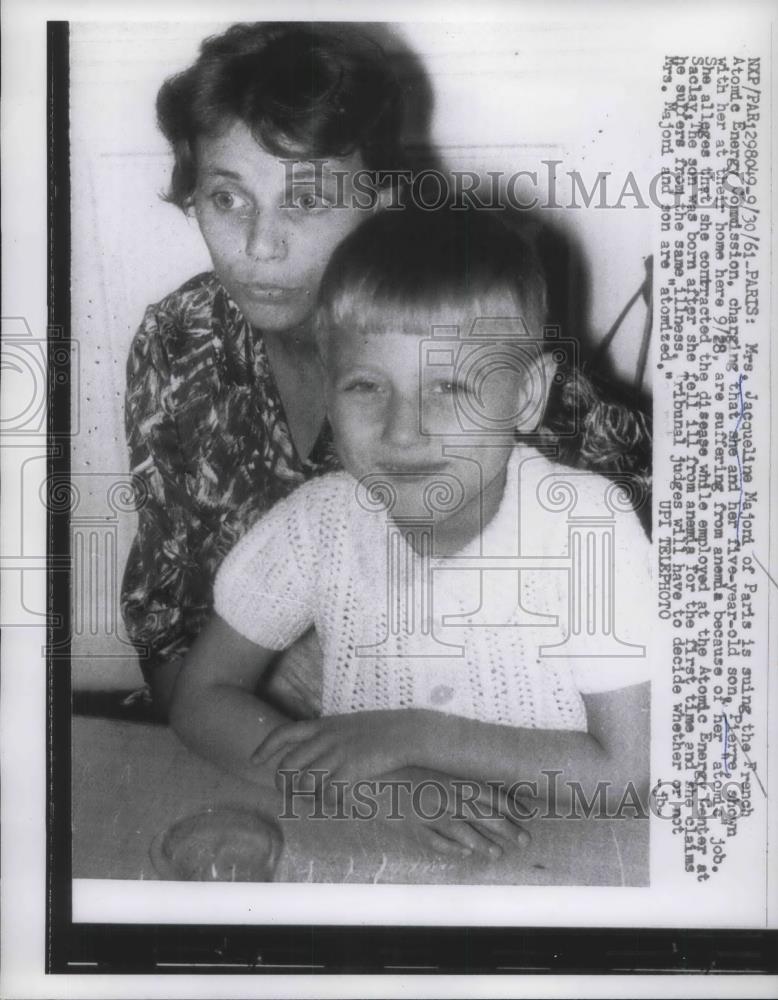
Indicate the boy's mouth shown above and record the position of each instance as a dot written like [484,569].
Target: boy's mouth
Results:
[422,468]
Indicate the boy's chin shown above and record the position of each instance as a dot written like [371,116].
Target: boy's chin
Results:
[378,490]
[432,501]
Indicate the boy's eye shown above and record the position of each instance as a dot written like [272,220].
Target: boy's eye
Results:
[361,386]
[449,388]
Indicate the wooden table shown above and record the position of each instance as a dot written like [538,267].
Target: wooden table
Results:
[132,780]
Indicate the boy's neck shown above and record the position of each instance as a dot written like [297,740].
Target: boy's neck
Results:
[451,535]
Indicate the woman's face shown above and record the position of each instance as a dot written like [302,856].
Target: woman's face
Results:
[270,230]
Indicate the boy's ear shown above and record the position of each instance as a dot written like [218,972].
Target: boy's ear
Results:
[535,392]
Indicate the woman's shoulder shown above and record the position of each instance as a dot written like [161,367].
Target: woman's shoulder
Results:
[183,308]
[177,329]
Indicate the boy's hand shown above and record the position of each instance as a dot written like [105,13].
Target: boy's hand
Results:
[477,821]
[363,745]
[347,747]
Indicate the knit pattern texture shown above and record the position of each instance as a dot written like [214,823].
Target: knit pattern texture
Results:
[399,631]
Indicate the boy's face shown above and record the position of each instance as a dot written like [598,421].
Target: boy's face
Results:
[271,231]
[400,404]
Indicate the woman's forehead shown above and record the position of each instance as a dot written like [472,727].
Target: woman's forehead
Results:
[235,150]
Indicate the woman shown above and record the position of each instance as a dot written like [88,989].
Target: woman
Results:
[224,406]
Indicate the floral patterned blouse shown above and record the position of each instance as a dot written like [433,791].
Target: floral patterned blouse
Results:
[211,449]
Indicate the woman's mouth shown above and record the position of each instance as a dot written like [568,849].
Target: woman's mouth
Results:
[270,294]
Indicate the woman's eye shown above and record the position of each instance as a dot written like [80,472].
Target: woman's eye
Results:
[228,201]
[312,201]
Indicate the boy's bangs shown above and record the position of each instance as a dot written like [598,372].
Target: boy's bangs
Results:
[413,272]
[460,313]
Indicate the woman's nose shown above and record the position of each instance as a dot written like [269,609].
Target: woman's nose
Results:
[266,237]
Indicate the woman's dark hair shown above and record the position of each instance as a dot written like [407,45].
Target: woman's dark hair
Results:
[303,89]
[410,270]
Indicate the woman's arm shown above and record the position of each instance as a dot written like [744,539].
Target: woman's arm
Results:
[613,753]
[214,710]
[164,595]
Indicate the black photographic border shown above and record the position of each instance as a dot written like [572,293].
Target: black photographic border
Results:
[175,949]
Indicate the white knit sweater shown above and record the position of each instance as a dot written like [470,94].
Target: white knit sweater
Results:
[320,558]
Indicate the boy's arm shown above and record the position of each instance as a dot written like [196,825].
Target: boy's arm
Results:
[214,710]
[614,750]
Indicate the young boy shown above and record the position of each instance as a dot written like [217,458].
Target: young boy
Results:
[429,331]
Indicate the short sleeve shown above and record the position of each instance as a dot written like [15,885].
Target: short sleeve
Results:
[265,588]
[632,602]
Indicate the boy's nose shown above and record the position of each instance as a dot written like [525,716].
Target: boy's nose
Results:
[266,237]
[401,429]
